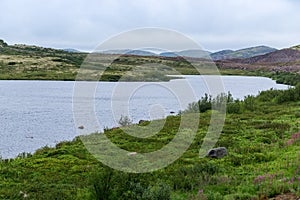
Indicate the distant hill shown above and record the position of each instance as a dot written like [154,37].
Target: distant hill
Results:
[140,53]
[192,53]
[242,53]
[296,47]
[129,52]
[22,61]
[195,53]
[280,56]
[168,54]
[71,50]
[284,60]
[221,55]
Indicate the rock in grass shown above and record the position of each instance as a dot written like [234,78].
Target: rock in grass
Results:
[219,152]
[132,153]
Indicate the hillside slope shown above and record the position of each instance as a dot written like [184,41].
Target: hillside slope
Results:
[280,56]
[242,53]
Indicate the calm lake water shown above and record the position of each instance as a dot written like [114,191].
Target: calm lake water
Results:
[34,114]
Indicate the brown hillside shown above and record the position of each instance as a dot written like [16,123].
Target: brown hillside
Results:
[280,56]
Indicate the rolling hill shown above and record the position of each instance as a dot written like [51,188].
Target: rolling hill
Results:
[242,53]
[280,56]
[191,53]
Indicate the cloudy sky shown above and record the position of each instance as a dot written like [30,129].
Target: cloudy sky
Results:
[213,24]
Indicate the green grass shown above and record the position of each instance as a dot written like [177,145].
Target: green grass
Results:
[23,62]
[263,161]
[260,135]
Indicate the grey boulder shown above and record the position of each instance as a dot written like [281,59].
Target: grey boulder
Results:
[219,152]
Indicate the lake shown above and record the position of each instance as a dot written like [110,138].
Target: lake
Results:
[34,114]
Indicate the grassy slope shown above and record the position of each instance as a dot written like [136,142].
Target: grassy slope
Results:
[23,62]
[257,142]
[30,62]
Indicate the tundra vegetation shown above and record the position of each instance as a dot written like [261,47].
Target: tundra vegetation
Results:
[261,134]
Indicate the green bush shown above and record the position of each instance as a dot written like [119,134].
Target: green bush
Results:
[160,191]
[234,107]
[249,103]
[125,121]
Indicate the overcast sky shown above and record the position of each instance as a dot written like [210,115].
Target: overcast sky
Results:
[213,24]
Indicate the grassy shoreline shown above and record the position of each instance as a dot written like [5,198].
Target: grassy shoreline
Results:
[262,138]
[261,134]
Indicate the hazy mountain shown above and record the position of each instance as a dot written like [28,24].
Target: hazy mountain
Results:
[140,53]
[221,55]
[279,56]
[195,53]
[71,50]
[169,54]
[129,52]
[242,53]
[115,51]
[284,60]
[192,53]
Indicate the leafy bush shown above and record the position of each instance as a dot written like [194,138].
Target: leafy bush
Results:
[207,103]
[249,103]
[234,107]
[160,191]
[292,94]
[125,121]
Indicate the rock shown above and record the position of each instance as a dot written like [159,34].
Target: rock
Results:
[219,152]
[132,154]
[142,121]
[81,127]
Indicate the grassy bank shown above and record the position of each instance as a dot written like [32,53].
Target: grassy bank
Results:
[23,62]
[260,133]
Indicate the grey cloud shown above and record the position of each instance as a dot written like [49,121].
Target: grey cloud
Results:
[214,24]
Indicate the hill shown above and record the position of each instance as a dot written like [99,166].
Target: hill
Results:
[242,53]
[71,50]
[280,56]
[280,61]
[26,62]
[129,52]
[221,55]
[191,53]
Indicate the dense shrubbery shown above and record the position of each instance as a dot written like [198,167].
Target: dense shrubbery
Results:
[208,103]
[249,103]
[109,184]
[292,94]
[286,78]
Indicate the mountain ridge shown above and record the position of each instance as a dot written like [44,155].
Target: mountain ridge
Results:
[193,53]
[242,53]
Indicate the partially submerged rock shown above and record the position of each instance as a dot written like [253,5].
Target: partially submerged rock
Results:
[219,152]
